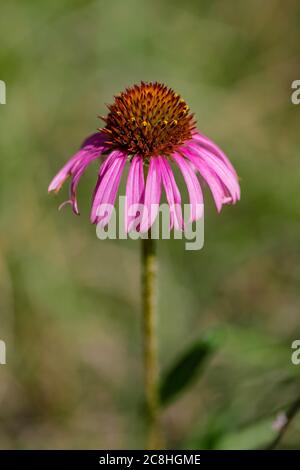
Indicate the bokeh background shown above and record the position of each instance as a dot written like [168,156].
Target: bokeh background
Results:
[70,303]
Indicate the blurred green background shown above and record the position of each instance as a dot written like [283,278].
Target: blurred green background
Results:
[70,303]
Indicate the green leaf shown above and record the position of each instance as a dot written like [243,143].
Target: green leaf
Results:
[186,369]
[253,437]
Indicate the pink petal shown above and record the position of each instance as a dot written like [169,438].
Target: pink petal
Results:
[135,189]
[218,190]
[107,187]
[208,144]
[91,148]
[172,193]
[152,195]
[74,183]
[227,177]
[193,186]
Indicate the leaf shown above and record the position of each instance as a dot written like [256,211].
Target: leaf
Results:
[253,437]
[185,370]
[222,430]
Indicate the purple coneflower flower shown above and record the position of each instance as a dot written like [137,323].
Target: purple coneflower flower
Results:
[151,127]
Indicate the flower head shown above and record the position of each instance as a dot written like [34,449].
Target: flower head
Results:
[148,120]
[151,126]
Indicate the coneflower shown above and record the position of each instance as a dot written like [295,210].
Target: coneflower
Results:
[150,127]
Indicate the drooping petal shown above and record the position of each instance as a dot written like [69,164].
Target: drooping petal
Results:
[102,170]
[218,190]
[172,193]
[135,189]
[193,186]
[204,142]
[91,148]
[63,174]
[107,187]
[227,177]
[152,195]
[76,175]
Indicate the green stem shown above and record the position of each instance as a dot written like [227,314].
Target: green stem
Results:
[149,272]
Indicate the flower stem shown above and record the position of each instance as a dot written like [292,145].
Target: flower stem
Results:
[149,271]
